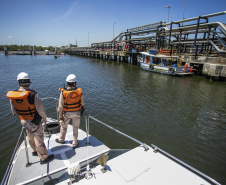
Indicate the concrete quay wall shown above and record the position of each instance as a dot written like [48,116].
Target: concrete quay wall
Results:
[212,67]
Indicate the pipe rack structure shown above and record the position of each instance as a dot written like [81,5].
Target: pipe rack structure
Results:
[198,36]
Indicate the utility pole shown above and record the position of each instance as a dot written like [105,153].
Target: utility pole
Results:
[88,39]
[113,29]
[184,11]
[113,35]
[169,6]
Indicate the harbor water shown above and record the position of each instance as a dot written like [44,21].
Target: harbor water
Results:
[185,116]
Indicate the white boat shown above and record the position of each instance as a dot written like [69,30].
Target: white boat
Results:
[164,64]
[87,164]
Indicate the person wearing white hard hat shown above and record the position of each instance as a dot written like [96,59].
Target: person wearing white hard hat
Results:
[26,105]
[71,107]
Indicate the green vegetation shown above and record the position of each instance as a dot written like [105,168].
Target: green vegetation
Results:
[26,48]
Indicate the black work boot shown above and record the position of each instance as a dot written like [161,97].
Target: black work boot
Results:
[49,158]
[34,153]
[61,142]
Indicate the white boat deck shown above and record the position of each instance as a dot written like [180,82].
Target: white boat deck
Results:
[139,167]
[64,157]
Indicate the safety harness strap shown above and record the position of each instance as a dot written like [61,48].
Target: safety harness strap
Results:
[66,105]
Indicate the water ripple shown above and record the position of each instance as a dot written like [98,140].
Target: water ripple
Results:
[184,116]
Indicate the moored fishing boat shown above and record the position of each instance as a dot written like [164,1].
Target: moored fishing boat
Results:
[164,64]
[89,164]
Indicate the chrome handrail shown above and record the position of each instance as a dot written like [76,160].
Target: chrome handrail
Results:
[9,168]
[56,104]
[184,164]
[155,149]
[137,141]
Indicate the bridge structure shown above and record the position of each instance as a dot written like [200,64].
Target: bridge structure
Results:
[32,51]
[196,40]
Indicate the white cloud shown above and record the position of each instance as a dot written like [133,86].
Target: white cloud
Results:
[68,12]
[10,36]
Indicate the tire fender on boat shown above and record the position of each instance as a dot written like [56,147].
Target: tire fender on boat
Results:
[151,67]
[171,70]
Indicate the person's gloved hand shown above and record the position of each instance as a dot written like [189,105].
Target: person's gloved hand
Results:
[82,110]
[44,121]
[61,118]
[16,115]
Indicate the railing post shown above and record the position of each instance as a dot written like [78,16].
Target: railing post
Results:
[87,129]
[25,142]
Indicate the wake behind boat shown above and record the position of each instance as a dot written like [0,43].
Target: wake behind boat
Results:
[89,164]
[164,64]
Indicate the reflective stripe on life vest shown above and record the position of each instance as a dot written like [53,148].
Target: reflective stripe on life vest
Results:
[17,94]
[72,99]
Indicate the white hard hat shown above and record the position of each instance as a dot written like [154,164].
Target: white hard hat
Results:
[71,78]
[23,76]
[23,79]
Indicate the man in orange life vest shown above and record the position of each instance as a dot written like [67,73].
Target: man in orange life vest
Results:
[71,107]
[26,105]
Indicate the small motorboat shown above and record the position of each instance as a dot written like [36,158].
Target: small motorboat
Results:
[164,64]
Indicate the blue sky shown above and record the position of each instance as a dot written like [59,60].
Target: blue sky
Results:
[60,22]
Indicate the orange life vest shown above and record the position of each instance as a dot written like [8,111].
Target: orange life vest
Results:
[72,99]
[24,103]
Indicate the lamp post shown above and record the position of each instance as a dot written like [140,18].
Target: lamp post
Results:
[113,35]
[113,29]
[169,6]
[88,39]
[184,11]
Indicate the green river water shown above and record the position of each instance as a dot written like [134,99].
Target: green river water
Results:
[185,116]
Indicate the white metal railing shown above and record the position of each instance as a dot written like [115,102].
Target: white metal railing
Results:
[9,168]
[56,104]
[184,164]
[87,123]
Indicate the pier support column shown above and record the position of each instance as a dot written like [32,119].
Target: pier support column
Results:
[30,50]
[55,50]
[130,59]
[34,50]
[5,50]
[127,59]
[121,59]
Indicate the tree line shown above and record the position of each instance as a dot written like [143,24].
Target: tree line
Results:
[26,48]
